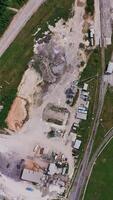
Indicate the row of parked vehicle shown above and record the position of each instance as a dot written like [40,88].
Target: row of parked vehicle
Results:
[71,93]
[76,140]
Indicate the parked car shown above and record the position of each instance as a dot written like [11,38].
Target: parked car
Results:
[73,128]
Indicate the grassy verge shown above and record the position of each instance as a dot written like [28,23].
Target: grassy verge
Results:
[100,186]
[101,181]
[106,122]
[6,15]
[93,66]
[86,125]
[14,61]
[92,69]
[107,114]
[5,21]
[17,3]
[90,7]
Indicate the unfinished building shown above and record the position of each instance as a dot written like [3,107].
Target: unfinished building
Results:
[55,114]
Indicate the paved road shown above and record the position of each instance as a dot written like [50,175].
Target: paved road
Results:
[20,19]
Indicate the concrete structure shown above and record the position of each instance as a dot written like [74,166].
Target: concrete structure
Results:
[84,95]
[82,108]
[31,176]
[109,68]
[77,122]
[91,35]
[82,111]
[77,144]
[53,169]
[86,104]
[85,87]
[82,116]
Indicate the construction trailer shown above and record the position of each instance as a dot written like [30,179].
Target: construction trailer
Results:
[77,144]
[86,104]
[91,35]
[82,108]
[82,116]
[85,87]
[109,68]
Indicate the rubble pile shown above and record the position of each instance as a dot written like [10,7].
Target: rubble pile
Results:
[33,93]
[26,98]
[51,60]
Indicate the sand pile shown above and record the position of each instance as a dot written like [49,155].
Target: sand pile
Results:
[17,114]
[30,86]
[29,94]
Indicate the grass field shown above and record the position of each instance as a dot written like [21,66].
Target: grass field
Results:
[17,3]
[100,186]
[106,117]
[107,112]
[6,15]
[14,61]
[5,20]
[101,181]
[92,69]
[93,66]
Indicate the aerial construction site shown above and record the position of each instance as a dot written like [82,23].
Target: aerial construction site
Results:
[41,147]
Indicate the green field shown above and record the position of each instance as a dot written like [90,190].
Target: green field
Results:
[107,112]
[101,181]
[16,3]
[89,75]
[6,15]
[93,66]
[14,61]
[106,122]
[100,186]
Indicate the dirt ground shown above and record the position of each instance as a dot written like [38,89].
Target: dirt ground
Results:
[17,114]
[97,22]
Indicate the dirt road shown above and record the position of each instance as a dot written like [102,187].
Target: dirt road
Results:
[18,22]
